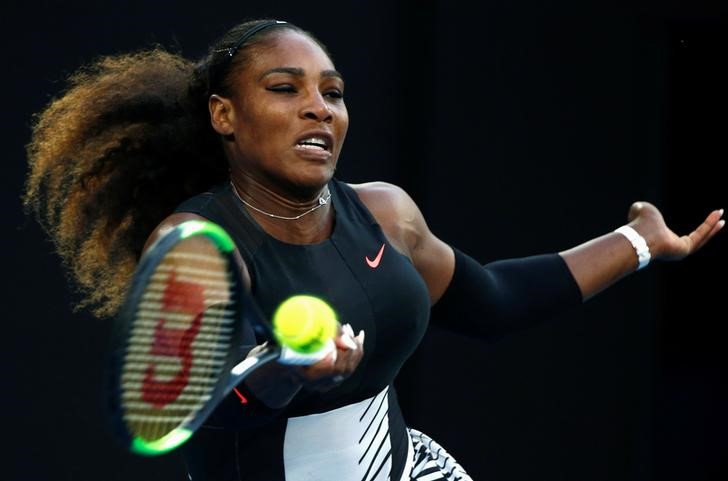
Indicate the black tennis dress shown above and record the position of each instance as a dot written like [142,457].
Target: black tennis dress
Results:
[355,431]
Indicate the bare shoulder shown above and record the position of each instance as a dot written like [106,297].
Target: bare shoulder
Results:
[384,199]
[395,212]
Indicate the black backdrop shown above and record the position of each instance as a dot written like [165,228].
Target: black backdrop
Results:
[520,127]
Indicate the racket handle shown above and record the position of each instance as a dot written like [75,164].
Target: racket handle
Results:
[241,370]
[284,355]
[296,358]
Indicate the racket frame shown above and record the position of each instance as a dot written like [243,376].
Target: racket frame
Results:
[242,304]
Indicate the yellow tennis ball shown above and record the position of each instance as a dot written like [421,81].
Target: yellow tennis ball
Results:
[304,323]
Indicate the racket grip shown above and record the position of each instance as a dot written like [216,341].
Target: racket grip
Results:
[283,354]
[295,358]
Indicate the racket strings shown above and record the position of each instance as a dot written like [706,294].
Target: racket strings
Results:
[179,341]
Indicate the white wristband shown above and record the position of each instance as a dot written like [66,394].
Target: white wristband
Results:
[639,244]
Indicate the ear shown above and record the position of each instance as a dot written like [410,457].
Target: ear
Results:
[222,115]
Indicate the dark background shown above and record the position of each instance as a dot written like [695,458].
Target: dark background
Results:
[519,127]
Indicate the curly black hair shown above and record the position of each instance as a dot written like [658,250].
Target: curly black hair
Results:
[126,142]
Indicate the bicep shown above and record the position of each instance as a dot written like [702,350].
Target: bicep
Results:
[435,261]
[433,258]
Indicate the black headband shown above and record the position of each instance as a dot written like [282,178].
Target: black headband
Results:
[261,26]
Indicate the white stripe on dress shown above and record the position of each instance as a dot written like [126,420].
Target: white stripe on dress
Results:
[351,443]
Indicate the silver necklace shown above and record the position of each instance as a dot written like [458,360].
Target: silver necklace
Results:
[322,201]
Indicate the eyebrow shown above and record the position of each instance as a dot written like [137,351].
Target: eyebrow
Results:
[299,72]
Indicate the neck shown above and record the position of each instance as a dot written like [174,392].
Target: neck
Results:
[300,218]
[285,203]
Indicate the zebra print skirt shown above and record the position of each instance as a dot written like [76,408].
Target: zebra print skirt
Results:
[432,462]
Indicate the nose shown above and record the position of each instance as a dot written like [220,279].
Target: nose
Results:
[316,108]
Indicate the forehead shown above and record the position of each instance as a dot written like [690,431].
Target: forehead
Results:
[288,48]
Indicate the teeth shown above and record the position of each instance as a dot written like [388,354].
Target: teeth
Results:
[315,142]
[311,147]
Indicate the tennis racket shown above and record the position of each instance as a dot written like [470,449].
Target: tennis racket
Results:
[176,350]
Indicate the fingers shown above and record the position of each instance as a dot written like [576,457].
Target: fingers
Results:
[337,365]
[351,351]
[257,349]
[345,339]
[705,231]
[666,244]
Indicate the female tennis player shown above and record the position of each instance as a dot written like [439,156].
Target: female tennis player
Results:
[249,138]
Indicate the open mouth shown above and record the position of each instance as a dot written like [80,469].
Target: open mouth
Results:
[315,143]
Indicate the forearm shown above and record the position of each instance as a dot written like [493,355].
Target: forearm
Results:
[274,384]
[600,262]
[505,296]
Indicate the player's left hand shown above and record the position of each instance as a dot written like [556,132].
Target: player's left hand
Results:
[665,244]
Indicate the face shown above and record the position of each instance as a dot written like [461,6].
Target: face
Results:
[288,116]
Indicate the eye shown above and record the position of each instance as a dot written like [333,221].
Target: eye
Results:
[334,94]
[285,88]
